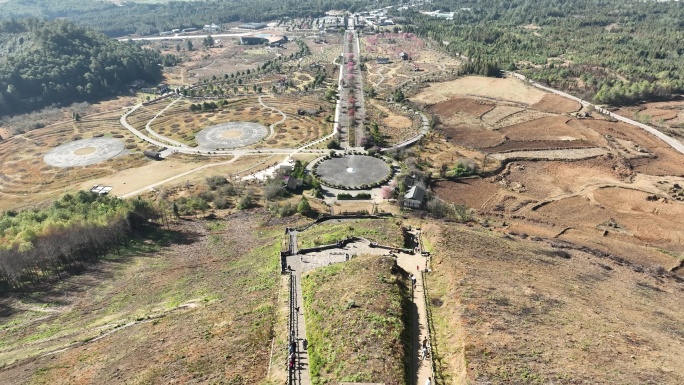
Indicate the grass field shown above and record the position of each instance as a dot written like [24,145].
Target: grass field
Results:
[382,231]
[354,320]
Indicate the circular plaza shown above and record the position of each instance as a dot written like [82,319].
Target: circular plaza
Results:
[84,152]
[231,135]
[353,171]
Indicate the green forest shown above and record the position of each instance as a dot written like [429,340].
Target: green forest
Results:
[147,19]
[42,244]
[56,62]
[611,51]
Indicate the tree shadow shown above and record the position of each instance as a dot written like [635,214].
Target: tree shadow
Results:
[61,289]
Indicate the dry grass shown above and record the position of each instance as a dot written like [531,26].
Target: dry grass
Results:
[514,311]
[382,231]
[507,89]
[556,104]
[198,309]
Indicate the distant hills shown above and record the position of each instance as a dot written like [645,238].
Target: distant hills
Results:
[56,62]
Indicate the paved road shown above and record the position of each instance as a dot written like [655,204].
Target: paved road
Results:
[184,37]
[161,137]
[677,145]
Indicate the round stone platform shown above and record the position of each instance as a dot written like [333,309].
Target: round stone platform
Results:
[84,152]
[231,135]
[353,171]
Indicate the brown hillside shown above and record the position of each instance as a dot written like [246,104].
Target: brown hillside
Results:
[521,312]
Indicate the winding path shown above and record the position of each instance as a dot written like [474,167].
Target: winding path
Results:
[281,121]
[161,137]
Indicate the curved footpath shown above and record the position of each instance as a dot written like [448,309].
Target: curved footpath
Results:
[161,137]
[281,121]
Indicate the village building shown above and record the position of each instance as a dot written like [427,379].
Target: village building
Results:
[211,28]
[253,26]
[263,38]
[414,197]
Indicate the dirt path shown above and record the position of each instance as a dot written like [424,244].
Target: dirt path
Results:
[272,126]
[420,368]
[147,188]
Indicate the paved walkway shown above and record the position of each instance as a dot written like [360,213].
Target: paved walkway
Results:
[301,375]
[420,368]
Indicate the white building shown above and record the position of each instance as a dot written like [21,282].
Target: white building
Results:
[211,28]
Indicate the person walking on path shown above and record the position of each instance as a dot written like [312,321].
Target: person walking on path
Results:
[413,280]
[305,344]
[425,342]
[428,382]
[423,353]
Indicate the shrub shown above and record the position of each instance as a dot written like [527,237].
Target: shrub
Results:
[215,181]
[222,203]
[273,189]
[229,190]
[207,196]
[304,208]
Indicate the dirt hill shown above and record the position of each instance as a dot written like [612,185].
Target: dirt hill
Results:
[512,310]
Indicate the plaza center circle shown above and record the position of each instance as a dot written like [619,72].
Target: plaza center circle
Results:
[84,152]
[231,135]
[353,170]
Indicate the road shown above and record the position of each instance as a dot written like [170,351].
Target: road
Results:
[184,37]
[677,145]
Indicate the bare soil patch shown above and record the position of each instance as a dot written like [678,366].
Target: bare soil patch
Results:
[556,104]
[475,107]
[507,89]
[471,192]
[472,137]
[500,112]
[656,112]
[549,128]
[85,151]
[668,160]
